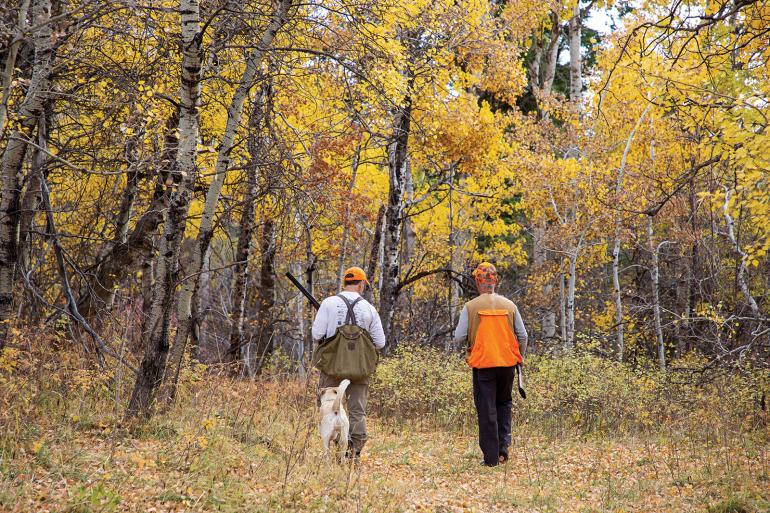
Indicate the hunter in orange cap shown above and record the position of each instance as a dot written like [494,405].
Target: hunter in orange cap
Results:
[355,274]
[345,308]
[492,326]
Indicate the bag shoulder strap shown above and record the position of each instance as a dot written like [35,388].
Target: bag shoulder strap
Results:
[351,317]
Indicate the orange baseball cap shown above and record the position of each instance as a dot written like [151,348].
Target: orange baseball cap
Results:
[355,274]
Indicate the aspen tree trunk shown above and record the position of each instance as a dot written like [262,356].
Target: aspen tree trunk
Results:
[452,296]
[410,236]
[575,61]
[694,269]
[741,274]
[10,62]
[542,68]
[156,329]
[563,305]
[304,345]
[341,265]
[374,253]
[11,166]
[619,341]
[241,272]
[206,231]
[121,227]
[539,255]
[550,56]
[31,196]
[398,166]
[266,295]
[241,275]
[570,303]
[655,272]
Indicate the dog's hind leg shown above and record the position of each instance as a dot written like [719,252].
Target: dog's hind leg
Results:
[344,433]
[326,434]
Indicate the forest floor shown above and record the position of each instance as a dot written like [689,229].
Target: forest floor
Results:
[248,448]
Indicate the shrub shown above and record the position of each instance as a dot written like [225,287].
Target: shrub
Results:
[423,384]
[580,392]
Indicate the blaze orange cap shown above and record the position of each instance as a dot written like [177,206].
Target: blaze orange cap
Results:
[355,274]
[485,274]
[484,267]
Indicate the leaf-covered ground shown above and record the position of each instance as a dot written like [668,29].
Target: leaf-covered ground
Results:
[253,451]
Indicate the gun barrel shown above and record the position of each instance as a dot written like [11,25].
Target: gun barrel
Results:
[308,295]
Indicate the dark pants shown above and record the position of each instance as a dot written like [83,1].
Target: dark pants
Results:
[492,395]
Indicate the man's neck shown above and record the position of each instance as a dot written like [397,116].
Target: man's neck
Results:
[350,289]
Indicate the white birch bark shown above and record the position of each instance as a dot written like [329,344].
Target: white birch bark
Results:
[619,339]
[10,63]
[156,329]
[398,166]
[655,273]
[11,167]
[570,302]
[575,60]
[741,277]
[206,231]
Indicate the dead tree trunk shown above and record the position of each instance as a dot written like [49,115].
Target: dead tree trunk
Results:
[156,330]
[11,168]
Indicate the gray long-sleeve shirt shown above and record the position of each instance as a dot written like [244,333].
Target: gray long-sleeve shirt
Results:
[461,331]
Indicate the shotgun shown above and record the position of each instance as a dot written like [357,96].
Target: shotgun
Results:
[308,295]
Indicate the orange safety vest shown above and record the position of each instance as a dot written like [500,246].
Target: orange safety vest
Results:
[493,342]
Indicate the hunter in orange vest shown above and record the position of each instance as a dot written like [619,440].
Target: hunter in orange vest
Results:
[496,340]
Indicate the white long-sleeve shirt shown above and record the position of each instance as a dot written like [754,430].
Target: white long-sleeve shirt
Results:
[333,312]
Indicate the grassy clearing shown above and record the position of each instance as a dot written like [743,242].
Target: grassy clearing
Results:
[237,446]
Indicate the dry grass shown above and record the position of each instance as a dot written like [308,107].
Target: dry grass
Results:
[236,446]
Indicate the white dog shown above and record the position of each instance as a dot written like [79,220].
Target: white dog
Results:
[334,424]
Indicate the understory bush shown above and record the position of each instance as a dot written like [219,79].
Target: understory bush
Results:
[580,392]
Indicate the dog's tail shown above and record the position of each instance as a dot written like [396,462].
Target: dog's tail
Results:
[340,394]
